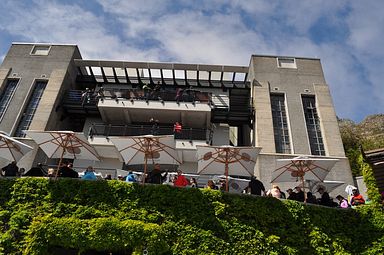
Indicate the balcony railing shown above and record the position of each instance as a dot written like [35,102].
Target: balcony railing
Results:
[178,95]
[136,130]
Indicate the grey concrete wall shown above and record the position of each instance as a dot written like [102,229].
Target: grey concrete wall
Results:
[329,125]
[263,125]
[293,83]
[306,79]
[58,69]
[220,135]
[4,72]
[30,68]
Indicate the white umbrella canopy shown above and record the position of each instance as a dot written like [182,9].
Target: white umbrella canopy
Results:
[217,159]
[302,168]
[349,189]
[236,185]
[11,149]
[291,170]
[137,150]
[328,186]
[64,144]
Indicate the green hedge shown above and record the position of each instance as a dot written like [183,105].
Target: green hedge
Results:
[41,216]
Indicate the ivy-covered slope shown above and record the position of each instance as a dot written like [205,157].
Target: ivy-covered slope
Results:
[366,135]
[39,216]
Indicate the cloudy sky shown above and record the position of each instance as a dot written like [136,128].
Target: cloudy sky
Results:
[347,36]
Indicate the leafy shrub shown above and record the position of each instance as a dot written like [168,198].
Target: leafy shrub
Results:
[40,216]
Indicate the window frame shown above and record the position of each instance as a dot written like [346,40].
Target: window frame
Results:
[26,105]
[286,66]
[319,145]
[11,96]
[284,126]
[35,48]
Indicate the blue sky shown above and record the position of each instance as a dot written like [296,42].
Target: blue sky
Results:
[346,35]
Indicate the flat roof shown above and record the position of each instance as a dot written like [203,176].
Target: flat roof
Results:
[107,71]
[43,43]
[276,56]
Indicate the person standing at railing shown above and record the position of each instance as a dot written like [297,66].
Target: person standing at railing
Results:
[155,126]
[147,91]
[177,128]
[155,95]
[179,95]
[100,94]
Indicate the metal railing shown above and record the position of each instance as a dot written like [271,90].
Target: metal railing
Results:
[178,95]
[186,133]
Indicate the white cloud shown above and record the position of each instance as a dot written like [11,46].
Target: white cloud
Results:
[221,32]
[59,23]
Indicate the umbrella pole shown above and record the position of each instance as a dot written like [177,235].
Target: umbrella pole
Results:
[226,172]
[305,194]
[145,168]
[58,166]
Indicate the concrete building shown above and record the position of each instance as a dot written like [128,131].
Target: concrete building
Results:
[281,104]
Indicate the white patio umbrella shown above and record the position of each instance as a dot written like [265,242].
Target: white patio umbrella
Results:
[216,160]
[137,150]
[64,144]
[236,185]
[11,149]
[349,189]
[328,186]
[302,168]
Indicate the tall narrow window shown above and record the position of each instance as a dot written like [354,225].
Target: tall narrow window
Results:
[30,109]
[6,96]
[313,125]
[280,125]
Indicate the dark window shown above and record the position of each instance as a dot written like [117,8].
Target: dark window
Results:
[280,125]
[30,109]
[313,125]
[6,96]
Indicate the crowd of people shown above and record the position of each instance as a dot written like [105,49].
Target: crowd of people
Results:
[156,176]
[256,187]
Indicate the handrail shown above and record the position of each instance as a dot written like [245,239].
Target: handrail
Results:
[187,133]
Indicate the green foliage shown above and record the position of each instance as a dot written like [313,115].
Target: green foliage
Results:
[99,234]
[369,180]
[39,216]
[369,134]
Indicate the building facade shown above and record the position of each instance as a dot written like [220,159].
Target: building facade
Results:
[281,104]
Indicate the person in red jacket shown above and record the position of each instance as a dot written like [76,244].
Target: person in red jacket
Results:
[357,198]
[180,180]
[177,128]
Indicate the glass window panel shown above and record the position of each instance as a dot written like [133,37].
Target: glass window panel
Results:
[228,76]
[155,73]
[280,125]
[167,74]
[108,71]
[216,76]
[6,96]
[120,71]
[179,74]
[203,75]
[131,72]
[192,75]
[144,73]
[313,125]
[96,70]
[240,76]
[30,109]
